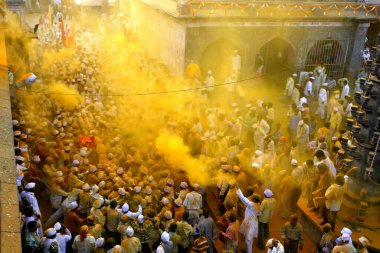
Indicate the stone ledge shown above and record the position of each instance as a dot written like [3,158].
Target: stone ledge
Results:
[8,194]
[10,236]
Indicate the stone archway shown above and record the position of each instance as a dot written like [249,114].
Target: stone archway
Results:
[276,59]
[329,52]
[217,58]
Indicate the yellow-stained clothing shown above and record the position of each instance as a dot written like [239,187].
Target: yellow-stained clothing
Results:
[131,245]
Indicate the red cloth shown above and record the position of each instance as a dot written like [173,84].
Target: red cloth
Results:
[73,222]
[86,141]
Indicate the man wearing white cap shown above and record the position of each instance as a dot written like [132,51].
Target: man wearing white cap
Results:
[345,90]
[166,243]
[142,230]
[193,204]
[63,236]
[308,90]
[274,246]
[290,85]
[30,198]
[131,243]
[249,226]
[348,232]
[47,241]
[322,101]
[345,247]
[267,209]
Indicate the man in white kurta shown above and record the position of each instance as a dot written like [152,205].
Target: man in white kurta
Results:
[260,134]
[290,85]
[29,196]
[308,90]
[249,226]
[345,90]
[322,101]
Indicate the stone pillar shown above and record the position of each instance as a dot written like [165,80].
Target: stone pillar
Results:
[358,46]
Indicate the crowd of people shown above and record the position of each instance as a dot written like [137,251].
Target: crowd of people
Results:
[91,179]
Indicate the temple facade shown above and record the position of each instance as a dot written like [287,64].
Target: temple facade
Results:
[206,32]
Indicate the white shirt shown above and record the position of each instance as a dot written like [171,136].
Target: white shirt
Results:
[330,165]
[289,87]
[308,91]
[46,244]
[278,249]
[322,98]
[334,197]
[31,199]
[62,240]
[348,110]
[303,100]
[345,91]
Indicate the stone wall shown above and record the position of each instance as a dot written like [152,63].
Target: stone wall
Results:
[163,35]
[10,238]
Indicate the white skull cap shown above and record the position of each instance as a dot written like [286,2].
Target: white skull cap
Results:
[140,218]
[130,232]
[125,207]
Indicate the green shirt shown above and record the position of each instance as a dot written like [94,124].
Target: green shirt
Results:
[267,209]
[142,230]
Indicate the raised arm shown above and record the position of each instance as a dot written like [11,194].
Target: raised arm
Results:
[136,214]
[243,199]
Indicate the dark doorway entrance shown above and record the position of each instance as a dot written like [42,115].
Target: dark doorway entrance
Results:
[276,59]
[217,58]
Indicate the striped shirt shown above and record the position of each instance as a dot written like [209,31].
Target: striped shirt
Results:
[200,245]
